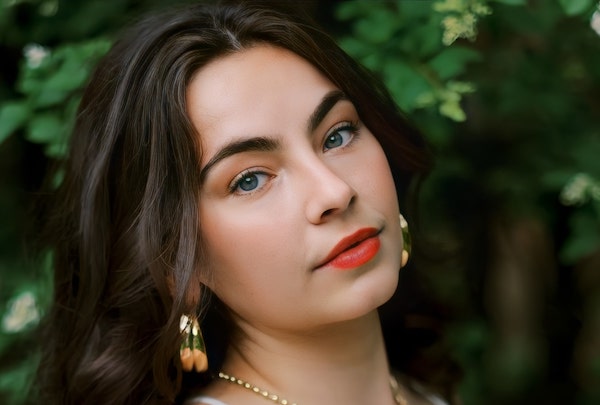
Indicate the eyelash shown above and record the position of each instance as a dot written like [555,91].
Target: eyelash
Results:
[350,126]
[237,181]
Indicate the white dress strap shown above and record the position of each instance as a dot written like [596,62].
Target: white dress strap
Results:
[203,399]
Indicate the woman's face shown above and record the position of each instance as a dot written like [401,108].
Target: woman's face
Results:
[298,208]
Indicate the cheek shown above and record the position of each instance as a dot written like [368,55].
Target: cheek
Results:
[376,177]
[253,263]
[243,248]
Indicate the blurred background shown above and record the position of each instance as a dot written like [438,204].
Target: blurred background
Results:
[506,91]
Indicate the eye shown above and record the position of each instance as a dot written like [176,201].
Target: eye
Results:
[340,136]
[248,181]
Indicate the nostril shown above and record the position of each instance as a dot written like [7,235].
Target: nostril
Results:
[331,211]
[327,212]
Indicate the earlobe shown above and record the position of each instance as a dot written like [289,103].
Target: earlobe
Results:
[204,279]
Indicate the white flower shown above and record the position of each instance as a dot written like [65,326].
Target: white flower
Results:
[35,54]
[595,21]
[580,189]
[22,312]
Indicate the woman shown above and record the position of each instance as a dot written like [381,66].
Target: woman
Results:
[228,165]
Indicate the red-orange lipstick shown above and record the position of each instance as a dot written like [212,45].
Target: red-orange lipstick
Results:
[354,250]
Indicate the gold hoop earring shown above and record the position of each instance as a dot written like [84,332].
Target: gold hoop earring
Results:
[406,241]
[192,351]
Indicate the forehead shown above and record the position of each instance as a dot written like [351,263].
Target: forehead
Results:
[257,89]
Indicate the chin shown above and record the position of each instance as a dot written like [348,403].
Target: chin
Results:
[374,289]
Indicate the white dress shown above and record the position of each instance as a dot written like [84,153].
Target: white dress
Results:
[203,399]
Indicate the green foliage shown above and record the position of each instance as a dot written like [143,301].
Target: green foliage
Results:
[20,313]
[460,20]
[50,83]
[576,7]
[49,49]
[513,2]
[402,41]
[13,115]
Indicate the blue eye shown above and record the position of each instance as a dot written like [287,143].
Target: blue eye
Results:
[248,181]
[340,136]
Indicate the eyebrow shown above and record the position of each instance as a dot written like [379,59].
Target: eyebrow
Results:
[327,103]
[257,144]
[263,144]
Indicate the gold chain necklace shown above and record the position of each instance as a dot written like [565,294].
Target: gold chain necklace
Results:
[282,401]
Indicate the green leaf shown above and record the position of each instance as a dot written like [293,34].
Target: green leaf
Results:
[71,75]
[453,110]
[461,87]
[576,7]
[354,47]
[48,97]
[425,38]
[405,84]
[513,2]
[452,61]
[378,27]
[413,10]
[12,116]
[56,150]
[45,128]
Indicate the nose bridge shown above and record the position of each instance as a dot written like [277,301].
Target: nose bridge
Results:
[327,192]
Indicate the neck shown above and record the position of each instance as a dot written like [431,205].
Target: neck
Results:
[341,363]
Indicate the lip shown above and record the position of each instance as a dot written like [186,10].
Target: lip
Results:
[354,250]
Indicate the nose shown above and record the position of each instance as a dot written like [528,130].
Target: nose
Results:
[328,193]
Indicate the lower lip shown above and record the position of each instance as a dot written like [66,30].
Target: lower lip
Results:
[358,255]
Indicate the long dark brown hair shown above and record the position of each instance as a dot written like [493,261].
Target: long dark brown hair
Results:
[123,225]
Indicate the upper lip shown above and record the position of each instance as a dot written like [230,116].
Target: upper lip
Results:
[348,242]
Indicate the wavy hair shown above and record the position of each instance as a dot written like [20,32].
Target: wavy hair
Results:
[123,225]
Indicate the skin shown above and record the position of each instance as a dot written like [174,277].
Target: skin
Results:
[304,330]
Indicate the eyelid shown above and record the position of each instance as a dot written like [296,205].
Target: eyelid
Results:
[352,126]
[235,183]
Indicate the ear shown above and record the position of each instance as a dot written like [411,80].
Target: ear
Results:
[204,275]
